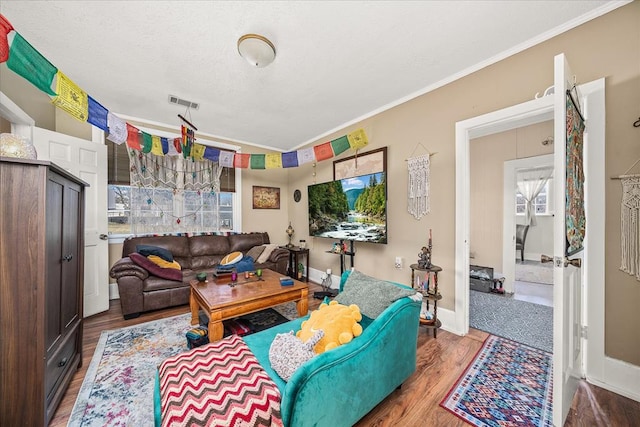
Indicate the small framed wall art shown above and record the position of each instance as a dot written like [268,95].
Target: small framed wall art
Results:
[266,197]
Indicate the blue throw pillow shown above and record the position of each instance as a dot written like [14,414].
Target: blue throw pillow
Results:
[245,264]
[147,250]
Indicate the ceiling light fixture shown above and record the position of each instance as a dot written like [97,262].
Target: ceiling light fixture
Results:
[257,50]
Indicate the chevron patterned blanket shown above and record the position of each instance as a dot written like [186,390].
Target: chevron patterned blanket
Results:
[219,384]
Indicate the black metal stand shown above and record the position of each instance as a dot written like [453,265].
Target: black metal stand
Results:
[350,253]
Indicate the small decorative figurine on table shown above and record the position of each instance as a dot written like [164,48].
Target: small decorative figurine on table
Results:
[424,257]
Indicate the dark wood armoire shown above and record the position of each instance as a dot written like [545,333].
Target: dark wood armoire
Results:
[41,288]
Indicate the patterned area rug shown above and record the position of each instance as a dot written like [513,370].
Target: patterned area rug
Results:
[506,384]
[118,387]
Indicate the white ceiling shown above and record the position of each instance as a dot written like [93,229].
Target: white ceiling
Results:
[336,62]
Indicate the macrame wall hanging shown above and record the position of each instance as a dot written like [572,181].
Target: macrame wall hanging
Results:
[630,225]
[418,198]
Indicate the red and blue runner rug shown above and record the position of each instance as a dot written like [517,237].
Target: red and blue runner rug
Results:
[506,384]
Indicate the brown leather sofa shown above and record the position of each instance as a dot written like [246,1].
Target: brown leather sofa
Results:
[141,291]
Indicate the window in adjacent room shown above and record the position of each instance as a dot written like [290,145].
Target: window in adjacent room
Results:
[541,204]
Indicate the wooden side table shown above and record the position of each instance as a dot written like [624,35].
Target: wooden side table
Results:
[295,252]
[430,295]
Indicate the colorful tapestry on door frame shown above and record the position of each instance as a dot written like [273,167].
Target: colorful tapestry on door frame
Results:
[575,218]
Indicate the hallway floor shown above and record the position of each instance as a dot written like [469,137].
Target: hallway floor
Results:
[537,293]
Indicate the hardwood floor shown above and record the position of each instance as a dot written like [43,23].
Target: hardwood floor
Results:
[439,364]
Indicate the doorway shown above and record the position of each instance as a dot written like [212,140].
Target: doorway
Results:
[498,161]
[525,276]
[566,366]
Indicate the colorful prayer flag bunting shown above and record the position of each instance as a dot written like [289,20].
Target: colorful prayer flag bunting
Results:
[306,155]
[156,146]
[257,161]
[177,144]
[340,145]
[212,153]
[290,159]
[273,161]
[241,160]
[97,114]
[357,139]
[147,142]
[164,143]
[226,159]
[5,29]
[117,129]
[71,98]
[197,151]
[133,141]
[323,151]
[27,62]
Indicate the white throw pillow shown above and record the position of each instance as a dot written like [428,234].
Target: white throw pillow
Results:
[264,256]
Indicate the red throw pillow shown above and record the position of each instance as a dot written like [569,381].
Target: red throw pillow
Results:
[156,270]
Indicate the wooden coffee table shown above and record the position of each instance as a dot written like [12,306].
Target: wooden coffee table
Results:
[221,302]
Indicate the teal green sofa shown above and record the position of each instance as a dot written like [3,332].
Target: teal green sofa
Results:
[340,386]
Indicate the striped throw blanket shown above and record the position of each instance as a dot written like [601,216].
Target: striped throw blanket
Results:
[218,384]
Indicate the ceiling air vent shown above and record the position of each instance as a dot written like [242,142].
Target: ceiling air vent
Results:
[179,101]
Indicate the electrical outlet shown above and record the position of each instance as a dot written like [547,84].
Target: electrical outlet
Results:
[398,263]
[329,271]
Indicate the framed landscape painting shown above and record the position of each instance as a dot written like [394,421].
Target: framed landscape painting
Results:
[266,197]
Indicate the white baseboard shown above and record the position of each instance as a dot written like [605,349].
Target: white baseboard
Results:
[316,276]
[619,377]
[113,291]
[448,319]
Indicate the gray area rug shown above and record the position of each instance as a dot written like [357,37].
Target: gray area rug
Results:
[520,321]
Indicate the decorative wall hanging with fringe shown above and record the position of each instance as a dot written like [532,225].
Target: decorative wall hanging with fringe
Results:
[418,198]
[630,225]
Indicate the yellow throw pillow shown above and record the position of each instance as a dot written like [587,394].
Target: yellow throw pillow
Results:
[164,264]
[231,259]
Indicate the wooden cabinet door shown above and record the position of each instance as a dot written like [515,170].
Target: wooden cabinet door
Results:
[54,243]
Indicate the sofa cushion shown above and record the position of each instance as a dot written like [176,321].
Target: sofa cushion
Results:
[371,295]
[207,251]
[165,273]
[255,251]
[264,256]
[147,250]
[245,241]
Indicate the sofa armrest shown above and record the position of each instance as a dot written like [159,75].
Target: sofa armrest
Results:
[359,375]
[279,254]
[125,267]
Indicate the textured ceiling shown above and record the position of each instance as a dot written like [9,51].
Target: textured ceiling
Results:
[336,62]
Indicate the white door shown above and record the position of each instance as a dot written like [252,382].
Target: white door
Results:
[88,161]
[567,279]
